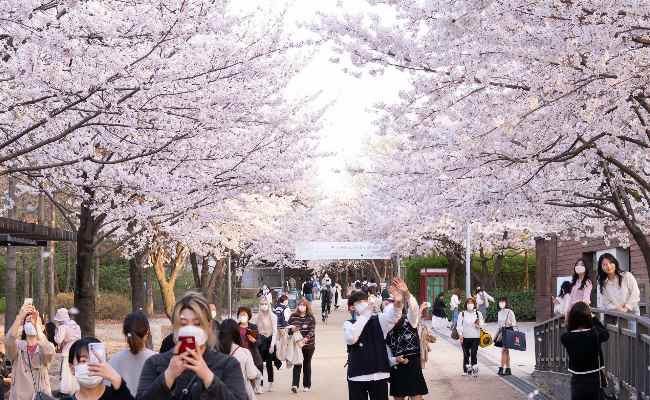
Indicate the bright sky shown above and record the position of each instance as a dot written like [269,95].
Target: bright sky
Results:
[348,122]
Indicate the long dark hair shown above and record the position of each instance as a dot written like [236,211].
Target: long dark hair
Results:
[135,328]
[602,275]
[565,288]
[580,317]
[585,279]
[229,334]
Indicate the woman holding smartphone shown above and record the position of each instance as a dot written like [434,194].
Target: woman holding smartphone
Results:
[196,372]
[30,354]
[303,321]
[87,359]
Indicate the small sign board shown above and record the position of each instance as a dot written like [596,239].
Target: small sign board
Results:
[342,251]
[293,299]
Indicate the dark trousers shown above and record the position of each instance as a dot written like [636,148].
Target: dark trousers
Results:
[375,390]
[585,387]
[307,354]
[470,348]
[268,358]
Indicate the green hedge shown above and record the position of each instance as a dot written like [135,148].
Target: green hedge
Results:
[522,304]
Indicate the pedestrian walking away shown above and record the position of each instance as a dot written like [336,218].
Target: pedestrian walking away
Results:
[439,317]
[67,332]
[128,363]
[582,340]
[506,320]
[469,327]
[267,326]
[454,303]
[198,372]
[303,321]
[406,378]
[483,300]
[365,336]
[230,344]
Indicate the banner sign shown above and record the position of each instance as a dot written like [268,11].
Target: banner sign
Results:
[342,251]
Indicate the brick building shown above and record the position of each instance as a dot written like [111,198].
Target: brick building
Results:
[555,260]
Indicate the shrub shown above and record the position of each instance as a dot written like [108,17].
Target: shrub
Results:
[3,305]
[107,306]
[522,304]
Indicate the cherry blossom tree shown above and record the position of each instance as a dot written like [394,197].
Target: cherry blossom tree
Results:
[519,114]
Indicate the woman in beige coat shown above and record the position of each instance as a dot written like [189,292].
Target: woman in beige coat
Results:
[30,353]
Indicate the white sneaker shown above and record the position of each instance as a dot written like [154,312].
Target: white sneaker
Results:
[270,388]
[258,388]
[294,389]
[475,370]
[306,389]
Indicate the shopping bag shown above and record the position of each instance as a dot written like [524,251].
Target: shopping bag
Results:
[515,340]
[498,338]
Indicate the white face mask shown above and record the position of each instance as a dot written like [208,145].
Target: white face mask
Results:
[580,269]
[470,307]
[200,337]
[361,308]
[243,319]
[83,377]
[502,305]
[264,307]
[30,329]
[302,308]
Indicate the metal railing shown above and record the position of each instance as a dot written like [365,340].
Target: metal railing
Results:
[626,353]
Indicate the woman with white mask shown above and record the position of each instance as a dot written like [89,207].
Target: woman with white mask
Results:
[469,327]
[90,373]
[30,354]
[192,370]
[505,321]
[267,326]
[581,285]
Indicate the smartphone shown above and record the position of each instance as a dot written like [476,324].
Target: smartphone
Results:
[96,353]
[28,301]
[187,343]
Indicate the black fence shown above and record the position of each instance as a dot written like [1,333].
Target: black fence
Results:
[626,353]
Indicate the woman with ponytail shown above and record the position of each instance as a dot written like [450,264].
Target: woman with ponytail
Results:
[129,363]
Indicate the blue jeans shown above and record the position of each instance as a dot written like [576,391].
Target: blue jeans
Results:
[309,297]
[454,316]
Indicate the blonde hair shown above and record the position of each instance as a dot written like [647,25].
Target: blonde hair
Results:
[196,302]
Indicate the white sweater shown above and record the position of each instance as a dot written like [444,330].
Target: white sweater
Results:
[466,327]
[454,302]
[506,318]
[627,293]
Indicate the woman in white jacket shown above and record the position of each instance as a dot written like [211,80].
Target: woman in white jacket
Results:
[230,344]
[469,327]
[67,332]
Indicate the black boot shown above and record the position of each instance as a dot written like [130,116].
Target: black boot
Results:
[500,371]
[507,372]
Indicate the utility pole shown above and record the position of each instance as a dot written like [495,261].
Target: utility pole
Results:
[229,287]
[468,261]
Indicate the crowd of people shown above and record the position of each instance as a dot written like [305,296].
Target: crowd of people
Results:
[388,337]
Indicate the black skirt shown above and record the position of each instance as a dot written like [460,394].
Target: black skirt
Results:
[407,379]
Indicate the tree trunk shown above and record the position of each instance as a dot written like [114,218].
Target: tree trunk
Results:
[160,257]
[205,276]
[195,270]
[136,274]
[526,269]
[68,257]
[485,272]
[217,275]
[149,306]
[84,291]
[27,277]
[96,271]
[498,263]
[51,289]
[11,308]
[40,301]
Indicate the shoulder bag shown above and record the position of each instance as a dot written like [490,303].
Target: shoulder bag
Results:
[39,395]
[454,331]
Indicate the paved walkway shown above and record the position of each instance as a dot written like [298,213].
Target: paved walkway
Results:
[442,373]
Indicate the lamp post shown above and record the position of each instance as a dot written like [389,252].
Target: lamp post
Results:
[468,261]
